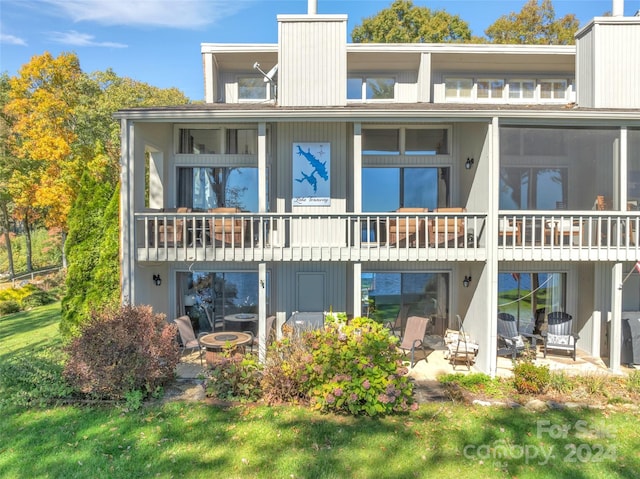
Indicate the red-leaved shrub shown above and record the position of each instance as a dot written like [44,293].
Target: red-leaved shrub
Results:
[122,350]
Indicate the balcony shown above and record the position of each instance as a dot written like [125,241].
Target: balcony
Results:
[536,236]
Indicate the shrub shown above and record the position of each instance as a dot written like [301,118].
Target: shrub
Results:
[122,350]
[529,378]
[357,369]
[559,381]
[37,298]
[33,379]
[9,307]
[234,377]
[633,381]
[284,378]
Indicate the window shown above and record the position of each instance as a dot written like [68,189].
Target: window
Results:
[553,89]
[221,293]
[204,188]
[243,142]
[199,141]
[252,88]
[529,297]
[533,188]
[371,88]
[387,189]
[420,294]
[489,88]
[522,89]
[458,88]
[417,141]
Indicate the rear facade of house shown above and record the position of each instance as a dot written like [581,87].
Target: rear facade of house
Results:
[436,179]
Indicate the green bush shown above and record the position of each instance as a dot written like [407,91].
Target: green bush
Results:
[529,378]
[33,379]
[357,369]
[633,381]
[9,307]
[37,298]
[122,350]
[284,378]
[234,377]
[559,381]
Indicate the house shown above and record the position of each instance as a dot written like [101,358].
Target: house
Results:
[433,179]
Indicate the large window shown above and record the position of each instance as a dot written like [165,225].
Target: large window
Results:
[204,188]
[387,189]
[421,294]
[533,188]
[490,88]
[458,88]
[217,294]
[529,297]
[252,88]
[519,89]
[371,88]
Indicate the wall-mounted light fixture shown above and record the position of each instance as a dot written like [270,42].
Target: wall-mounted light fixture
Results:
[466,281]
[262,283]
[469,163]
[157,279]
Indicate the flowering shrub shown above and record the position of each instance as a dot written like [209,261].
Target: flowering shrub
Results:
[357,369]
[530,379]
[234,377]
[123,350]
[284,378]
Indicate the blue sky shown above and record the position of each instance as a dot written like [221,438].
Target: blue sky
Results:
[158,41]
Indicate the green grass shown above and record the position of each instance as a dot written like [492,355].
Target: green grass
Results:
[194,440]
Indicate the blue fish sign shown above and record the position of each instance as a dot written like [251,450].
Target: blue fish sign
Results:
[311,185]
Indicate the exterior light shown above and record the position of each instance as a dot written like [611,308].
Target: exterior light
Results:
[157,279]
[466,281]
[469,163]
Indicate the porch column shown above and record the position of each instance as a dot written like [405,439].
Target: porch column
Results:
[491,269]
[357,290]
[262,312]
[127,210]
[615,327]
[357,168]
[262,167]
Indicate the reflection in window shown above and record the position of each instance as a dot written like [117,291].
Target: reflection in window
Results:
[417,141]
[533,188]
[522,89]
[220,293]
[204,188]
[371,88]
[458,88]
[252,88]
[381,141]
[421,294]
[553,89]
[199,141]
[531,296]
[387,189]
[490,88]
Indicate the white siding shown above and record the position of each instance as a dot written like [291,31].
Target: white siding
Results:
[585,73]
[312,60]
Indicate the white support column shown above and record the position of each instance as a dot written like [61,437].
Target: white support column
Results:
[491,270]
[623,168]
[262,167]
[615,327]
[357,290]
[127,210]
[357,168]
[262,312]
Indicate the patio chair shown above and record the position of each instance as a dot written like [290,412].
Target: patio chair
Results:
[559,333]
[270,333]
[407,229]
[446,229]
[226,229]
[509,228]
[460,347]
[216,322]
[413,337]
[188,337]
[396,326]
[560,228]
[171,231]
[509,339]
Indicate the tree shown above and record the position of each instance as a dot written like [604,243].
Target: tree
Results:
[535,24]
[6,169]
[404,22]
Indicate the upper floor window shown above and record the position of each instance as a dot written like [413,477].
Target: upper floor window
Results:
[499,89]
[522,89]
[490,88]
[204,188]
[458,88]
[252,88]
[405,141]
[371,88]
[553,89]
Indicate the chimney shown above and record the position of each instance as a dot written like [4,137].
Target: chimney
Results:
[312,7]
[617,11]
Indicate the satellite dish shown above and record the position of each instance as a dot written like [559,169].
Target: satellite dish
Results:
[271,73]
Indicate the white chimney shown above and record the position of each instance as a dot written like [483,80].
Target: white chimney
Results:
[312,7]
[618,8]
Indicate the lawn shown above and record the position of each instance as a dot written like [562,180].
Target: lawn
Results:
[193,440]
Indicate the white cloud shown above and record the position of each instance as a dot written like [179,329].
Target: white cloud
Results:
[82,40]
[12,40]
[159,13]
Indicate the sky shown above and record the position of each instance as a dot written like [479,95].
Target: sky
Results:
[158,41]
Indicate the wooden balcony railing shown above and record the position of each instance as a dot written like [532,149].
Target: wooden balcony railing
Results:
[540,235]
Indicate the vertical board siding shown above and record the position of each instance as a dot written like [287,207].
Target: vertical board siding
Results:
[618,66]
[335,286]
